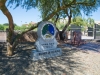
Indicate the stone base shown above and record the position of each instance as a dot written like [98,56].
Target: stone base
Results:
[38,55]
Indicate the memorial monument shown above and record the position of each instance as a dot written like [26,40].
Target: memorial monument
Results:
[46,44]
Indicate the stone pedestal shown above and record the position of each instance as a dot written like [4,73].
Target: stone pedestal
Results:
[40,55]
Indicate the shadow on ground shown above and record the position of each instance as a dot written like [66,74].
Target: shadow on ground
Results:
[89,46]
[21,63]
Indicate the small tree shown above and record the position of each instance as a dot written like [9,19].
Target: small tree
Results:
[90,22]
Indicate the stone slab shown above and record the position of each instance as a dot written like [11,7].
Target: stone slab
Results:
[39,55]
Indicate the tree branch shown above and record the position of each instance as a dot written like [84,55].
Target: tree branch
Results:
[20,35]
[66,6]
[57,10]
[87,3]
[69,20]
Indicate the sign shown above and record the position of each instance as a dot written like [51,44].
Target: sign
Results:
[46,44]
[46,36]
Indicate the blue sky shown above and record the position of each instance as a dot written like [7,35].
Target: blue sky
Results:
[21,16]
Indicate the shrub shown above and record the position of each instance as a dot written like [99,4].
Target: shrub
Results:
[1,27]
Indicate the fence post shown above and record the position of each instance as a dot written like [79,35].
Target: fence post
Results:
[95,31]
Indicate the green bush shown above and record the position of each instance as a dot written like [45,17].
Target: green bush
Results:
[5,27]
[23,28]
[17,28]
[1,27]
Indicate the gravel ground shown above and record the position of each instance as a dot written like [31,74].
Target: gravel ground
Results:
[82,60]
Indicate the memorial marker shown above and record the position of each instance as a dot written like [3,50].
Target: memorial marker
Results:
[46,44]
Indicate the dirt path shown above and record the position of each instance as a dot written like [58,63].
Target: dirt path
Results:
[90,61]
[83,60]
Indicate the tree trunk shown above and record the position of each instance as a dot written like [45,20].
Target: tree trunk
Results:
[62,34]
[10,30]
[9,49]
